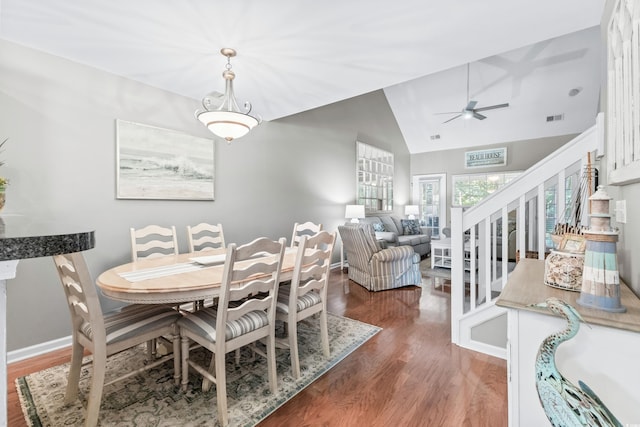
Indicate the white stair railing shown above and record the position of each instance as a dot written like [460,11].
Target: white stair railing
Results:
[488,224]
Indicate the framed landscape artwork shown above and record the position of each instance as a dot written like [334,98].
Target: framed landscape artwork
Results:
[162,164]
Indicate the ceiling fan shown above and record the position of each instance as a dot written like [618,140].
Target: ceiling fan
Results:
[469,111]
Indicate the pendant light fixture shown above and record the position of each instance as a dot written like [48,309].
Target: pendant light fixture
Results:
[224,118]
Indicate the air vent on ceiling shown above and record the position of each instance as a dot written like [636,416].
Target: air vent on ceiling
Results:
[555,118]
[434,137]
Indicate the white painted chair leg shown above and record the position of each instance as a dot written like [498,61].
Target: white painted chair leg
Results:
[324,333]
[221,387]
[292,332]
[184,356]
[74,373]
[97,383]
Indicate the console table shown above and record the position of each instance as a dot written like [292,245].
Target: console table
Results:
[22,238]
[604,355]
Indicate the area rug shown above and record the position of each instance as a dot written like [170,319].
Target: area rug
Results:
[438,272]
[445,273]
[152,399]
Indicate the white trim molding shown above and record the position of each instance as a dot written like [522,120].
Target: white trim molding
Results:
[623,93]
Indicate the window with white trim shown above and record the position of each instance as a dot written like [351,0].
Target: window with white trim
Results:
[375,178]
[469,189]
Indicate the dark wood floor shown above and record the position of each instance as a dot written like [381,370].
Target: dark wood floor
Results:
[409,374]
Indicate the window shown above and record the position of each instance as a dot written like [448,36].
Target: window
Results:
[470,189]
[375,178]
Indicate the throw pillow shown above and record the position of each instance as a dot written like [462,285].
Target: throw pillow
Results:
[378,226]
[410,227]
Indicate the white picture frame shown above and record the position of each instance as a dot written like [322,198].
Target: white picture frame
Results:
[162,164]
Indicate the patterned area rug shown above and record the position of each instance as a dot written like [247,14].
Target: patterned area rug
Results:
[445,273]
[437,272]
[151,399]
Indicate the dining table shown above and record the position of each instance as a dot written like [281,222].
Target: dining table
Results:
[176,279]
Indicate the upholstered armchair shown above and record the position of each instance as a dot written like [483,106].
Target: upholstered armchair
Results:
[375,268]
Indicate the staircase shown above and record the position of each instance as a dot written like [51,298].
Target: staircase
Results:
[476,322]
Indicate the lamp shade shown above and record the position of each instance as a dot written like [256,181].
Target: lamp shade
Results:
[229,125]
[354,212]
[411,210]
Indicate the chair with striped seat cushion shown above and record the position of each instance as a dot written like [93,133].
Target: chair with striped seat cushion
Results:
[107,334]
[245,314]
[307,293]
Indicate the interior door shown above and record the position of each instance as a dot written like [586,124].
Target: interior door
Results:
[429,192]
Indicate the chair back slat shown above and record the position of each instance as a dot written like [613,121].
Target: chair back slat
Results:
[249,305]
[153,241]
[205,236]
[303,229]
[81,294]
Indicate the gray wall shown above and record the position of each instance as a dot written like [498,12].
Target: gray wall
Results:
[520,156]
[60,116]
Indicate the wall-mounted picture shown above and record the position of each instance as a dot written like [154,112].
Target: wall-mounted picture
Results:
[156,163]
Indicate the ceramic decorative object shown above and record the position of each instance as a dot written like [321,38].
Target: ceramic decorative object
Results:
[600,278]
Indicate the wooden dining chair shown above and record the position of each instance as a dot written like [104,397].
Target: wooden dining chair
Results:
[205,236]
[307,293]
[153,241]
[245,314]
[107,334]
[303,229]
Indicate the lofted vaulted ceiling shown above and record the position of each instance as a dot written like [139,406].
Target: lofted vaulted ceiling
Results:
[296,55]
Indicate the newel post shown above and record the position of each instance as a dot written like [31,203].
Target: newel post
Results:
[457,273]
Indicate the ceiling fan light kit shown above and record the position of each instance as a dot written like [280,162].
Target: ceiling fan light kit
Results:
[470,111]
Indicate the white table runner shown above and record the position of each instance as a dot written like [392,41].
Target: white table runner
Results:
[150,273]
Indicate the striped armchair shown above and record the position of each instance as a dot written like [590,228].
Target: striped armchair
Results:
[375,268]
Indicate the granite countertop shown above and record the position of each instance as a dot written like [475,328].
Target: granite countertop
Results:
[525,286]
[22,237]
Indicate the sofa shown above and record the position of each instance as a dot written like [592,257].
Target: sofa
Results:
[393,231]
[376,268]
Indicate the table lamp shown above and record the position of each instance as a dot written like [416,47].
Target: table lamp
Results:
[411,211]
[354,212]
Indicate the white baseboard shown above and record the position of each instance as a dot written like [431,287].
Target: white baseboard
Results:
[38,349]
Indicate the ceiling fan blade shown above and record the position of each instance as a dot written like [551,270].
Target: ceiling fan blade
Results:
[448,112]
[479,116]
[452,118]
[492,107]
[470,105]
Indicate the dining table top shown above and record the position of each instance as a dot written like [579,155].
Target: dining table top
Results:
[178,278]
